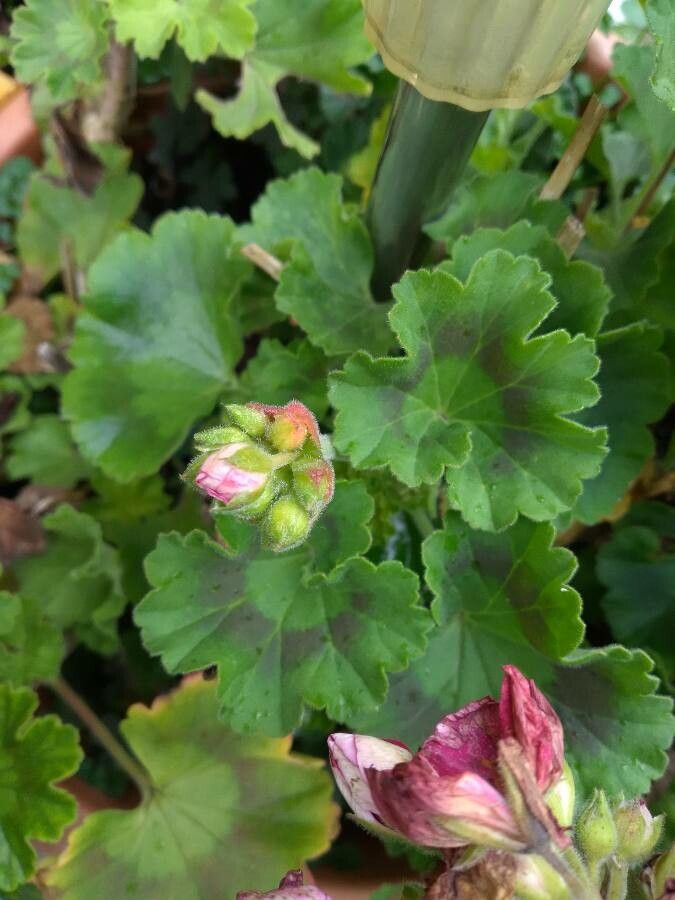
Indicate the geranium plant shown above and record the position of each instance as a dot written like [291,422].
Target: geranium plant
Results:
[337,460]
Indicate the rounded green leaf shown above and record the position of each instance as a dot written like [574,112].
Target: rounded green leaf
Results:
[34,753]
[225,813]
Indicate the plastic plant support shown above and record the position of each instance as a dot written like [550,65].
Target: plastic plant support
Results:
[482,54]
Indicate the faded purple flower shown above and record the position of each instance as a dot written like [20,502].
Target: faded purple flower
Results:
[292,887]
[450,793]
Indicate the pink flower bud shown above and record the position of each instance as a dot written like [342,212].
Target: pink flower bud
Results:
[526,715]
[292,887]
[225,481]
[314,483]
[351,757]
[289,425]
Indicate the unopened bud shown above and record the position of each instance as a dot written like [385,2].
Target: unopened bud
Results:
[637,830]
[560,798]
[314,482]
[255,509]
[287,525]
[596,831]
[285,434]
[250,420]
[215,438]
[228,481]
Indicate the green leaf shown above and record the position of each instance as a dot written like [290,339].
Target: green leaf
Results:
[155,346]
[54,214]
[325,286]
[579,288]
[342,531]
[662,25]
[31,648]
[475,397]
[315,39]
[201,27]
[34,753]
[496,201]
[637,563]
[225,812]
[14,398]
[279,636]
[77,579]
[647,117]
[45,454]
[634,392]
[12,334]
[277,373]
[257,104]
[60,43]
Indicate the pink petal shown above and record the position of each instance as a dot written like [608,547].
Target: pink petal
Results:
[224,481]
[466,741]
[351,757]
[526,715]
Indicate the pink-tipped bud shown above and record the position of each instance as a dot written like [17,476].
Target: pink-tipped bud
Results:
[314,483]
[526,715]
[289,426]
[222,479]
[637,829]
[292,887]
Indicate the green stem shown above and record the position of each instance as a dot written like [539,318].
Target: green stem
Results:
[569,867]
[422,522]
[103,735]
[617,885]
[426,150]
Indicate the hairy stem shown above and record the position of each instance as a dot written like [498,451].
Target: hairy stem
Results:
[104,120]
[571,870]
[103,735]
[617,886]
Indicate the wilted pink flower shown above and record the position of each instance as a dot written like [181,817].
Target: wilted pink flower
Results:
[450,793]
[292,887]
[225,481]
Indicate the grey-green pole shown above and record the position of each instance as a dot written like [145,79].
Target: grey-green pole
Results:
[427,147]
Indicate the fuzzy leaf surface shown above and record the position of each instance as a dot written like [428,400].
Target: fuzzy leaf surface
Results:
[156,345]
[280,636]
[226,812]
[31,647]
[60,43]
[77,581]
[45,454]
[201,27]
[475,397]
[34,753]
[579,287]
[325,286]
[634,392]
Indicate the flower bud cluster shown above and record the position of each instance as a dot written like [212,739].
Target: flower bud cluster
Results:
[266,465]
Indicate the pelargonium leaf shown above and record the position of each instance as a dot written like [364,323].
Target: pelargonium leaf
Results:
[34,753]
[77,581]
[318,40]
[45,454]
[55,215]
[638,562]
[201,27]
[12,334]
[224,813]
[155,346]
[31,647]
[281,634]
[325,286]
[60,43]
[634,392]
[475,397]
[580,289]
[662,24]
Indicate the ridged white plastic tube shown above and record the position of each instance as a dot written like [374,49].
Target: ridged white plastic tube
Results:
[482,54]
